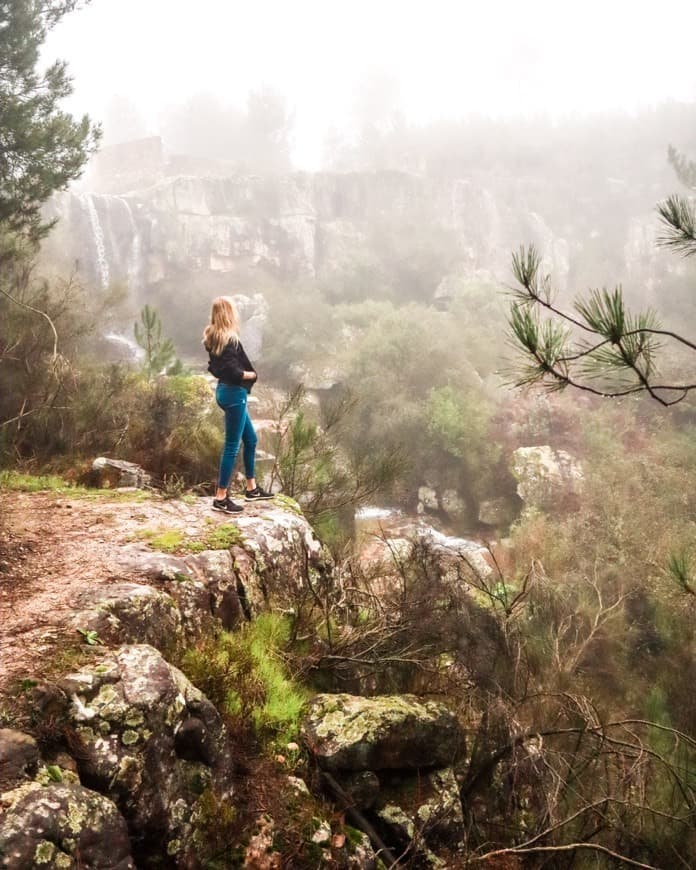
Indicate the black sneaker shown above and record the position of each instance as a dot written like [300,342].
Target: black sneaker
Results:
[257,494]
[227,506]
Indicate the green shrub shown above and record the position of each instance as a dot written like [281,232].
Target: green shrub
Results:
[244,675]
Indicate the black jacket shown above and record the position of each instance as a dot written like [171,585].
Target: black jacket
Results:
[229,366]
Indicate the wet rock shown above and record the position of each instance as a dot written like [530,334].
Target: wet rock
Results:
[19,757]
[278,552]
[422,813]
[348,732]
[429,804]
[62,826]
[128,710]
[361,855]
[427,499]
[204,586]
[107,473]
[454,505]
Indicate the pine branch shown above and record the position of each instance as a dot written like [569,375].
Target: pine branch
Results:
[678,216]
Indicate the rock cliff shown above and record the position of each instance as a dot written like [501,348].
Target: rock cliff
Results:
[293,226]
[115,759]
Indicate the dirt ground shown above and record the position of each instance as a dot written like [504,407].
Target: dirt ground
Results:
[53,548]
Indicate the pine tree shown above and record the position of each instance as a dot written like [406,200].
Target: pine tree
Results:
[42,147]
[159,353]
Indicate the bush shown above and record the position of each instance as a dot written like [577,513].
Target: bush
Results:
[243,674]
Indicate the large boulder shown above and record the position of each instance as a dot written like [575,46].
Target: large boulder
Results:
[349,732]
[107,473]
[151,742]
[62,826]
[546,477]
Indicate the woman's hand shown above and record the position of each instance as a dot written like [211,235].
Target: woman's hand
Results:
[249,376]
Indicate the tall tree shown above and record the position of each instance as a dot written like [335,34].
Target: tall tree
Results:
[42,147]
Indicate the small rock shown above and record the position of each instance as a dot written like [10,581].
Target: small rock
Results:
[19,757]
[322,833]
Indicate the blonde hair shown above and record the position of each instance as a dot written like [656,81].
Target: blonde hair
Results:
[223,326]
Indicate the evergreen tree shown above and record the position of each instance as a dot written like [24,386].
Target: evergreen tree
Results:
[42,147]
[159,353]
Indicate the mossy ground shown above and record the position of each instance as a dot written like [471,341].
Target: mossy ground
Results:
[177,542]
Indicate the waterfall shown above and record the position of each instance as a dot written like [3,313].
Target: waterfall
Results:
[133,264]
[97,238]
[135,352]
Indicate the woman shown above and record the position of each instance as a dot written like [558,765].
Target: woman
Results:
[236,376]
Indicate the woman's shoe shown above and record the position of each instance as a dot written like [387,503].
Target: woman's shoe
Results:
[257,494]
[227,506]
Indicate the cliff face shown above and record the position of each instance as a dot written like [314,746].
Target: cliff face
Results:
[101,593]
[115,759]
[293,226]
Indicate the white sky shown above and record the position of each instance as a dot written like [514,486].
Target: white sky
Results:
[451,58]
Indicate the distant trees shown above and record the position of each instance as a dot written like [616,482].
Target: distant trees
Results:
[256,139]
[602,348]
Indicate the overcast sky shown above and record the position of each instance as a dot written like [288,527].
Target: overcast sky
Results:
[450,58]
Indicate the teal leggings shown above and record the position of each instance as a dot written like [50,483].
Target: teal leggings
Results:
[238,428]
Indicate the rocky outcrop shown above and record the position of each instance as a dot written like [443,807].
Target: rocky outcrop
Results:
[134,765]
[546,477]
[295,225]
[150,741]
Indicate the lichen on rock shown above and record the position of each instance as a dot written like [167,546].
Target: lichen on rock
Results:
[63,826]
[349,732]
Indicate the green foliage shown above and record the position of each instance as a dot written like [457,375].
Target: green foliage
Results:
[244,675]
[678,217]
[159,352]
[170,425]
[14,480]
[91,637]
[19,482]
[44,148]
[314,468]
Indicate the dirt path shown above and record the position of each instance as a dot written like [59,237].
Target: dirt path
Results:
[54,548]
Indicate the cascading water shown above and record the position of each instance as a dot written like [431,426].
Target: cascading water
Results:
[133,265]
[87,200]
[134,352]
